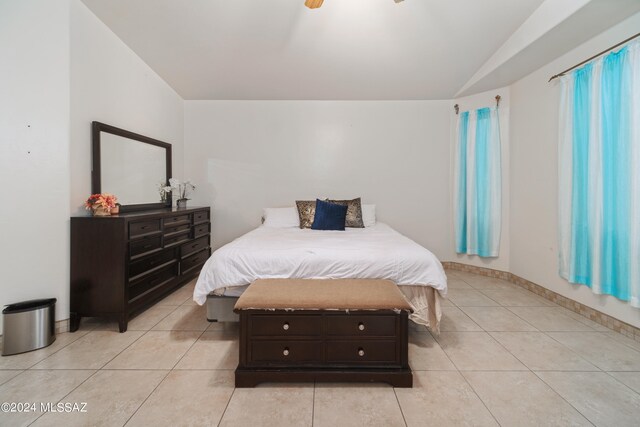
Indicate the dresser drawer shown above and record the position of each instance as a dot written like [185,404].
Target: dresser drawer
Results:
[200,216]
[368,352]
[286,352]
[355,325]
[291,325]
[145,245]
[153,280]
[176,239]
[193,261]
[140,228]
[171,230]
[201,229]
[148,263]
[177,219]
[194,246]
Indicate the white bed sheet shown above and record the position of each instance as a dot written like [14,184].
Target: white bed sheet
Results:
[377,252]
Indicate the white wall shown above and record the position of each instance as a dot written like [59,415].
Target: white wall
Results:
[111,84]
[473,102]
[534,177]
[246,155]
[34,151]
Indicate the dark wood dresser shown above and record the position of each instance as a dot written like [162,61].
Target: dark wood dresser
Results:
[323,345]
[122,264]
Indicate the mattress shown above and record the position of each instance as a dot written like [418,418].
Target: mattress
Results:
[377,252]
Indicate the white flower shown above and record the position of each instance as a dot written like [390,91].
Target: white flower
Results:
[174,183]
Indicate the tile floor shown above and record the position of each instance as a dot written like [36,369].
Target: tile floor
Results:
[504,357]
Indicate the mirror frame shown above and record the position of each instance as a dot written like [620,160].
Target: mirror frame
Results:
[96,129]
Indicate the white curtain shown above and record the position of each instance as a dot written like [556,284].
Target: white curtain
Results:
[477,183]
[599,175]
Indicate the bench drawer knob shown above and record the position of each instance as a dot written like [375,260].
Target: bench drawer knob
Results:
[285,326]
[285,352]
[361,326]
[360,352]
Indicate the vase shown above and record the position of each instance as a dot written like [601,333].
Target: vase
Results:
[100,211]
[181,203]
[116,210]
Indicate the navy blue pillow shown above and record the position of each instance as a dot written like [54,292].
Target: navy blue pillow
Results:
[329,216]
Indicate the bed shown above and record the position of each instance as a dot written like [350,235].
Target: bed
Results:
[376,252]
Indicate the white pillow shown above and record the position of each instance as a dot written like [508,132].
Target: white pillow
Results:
[281,217]
[369,215]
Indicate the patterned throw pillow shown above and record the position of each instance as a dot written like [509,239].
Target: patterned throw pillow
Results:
[306,212]
[354,212]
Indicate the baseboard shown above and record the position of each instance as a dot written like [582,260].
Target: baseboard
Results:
[603,319]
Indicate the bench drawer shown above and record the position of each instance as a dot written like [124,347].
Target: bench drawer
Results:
[286,352]
[359,352]
[357,325]
[274,325]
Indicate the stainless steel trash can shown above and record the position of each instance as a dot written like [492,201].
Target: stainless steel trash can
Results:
[28,325]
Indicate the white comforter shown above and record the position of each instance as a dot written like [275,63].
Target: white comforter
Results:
[377,252]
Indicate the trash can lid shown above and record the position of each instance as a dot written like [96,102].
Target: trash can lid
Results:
[29,305]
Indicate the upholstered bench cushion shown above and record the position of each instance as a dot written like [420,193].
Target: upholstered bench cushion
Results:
[330,294]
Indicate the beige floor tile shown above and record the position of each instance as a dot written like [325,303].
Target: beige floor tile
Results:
[622,339]
[517,298]
[454,319]
[482,283]
[584,320]
[425,354]
[549,319]
[477,351]
[149,318]
[7,375]
[38,387]
[604,352]
[470,298]
[456,283]
[111,397]
[446,302]
[187,398]
[92,351]
[497,319]
[542,353]
[442,399]
[522,399]
[179,296]
[270,405]
[27,360]
[155,350]
[142,322]
[184,318]
[356,405]
[630,379]
[599,397]
[229,327]
[213,350]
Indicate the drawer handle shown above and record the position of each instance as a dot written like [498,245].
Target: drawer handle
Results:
[361,352]
[285,326]
[194,246]
[361,326]
[147,246]
[144,227]
[285,352]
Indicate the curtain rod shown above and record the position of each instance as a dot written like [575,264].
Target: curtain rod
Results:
[594,57]
[498,98]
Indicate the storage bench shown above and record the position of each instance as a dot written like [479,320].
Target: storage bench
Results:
[352,330]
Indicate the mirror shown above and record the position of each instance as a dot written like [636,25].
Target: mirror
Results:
[131,166]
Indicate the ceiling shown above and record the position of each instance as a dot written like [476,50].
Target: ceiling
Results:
[347,49]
